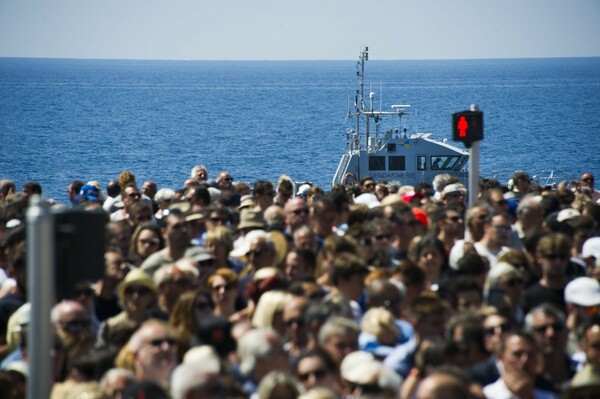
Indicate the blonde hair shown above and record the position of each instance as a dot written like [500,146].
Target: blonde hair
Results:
[380,322]
[219,235]
[268,305]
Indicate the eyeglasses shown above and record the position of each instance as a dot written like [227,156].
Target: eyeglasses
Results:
[158,342]
[149,241]
[318,374]
[303,211]
[134,195]
[381,237]
[291,322]
[137,290]
[556,326]
[502,328]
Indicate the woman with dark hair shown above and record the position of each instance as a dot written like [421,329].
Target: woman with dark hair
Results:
[431,256]
[190,308]
[145,240]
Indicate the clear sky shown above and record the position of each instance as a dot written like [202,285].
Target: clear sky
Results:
[299,29]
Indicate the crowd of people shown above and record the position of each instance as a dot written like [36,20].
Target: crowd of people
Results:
[374,290]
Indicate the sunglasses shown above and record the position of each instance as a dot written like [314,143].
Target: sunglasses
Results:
[554,256]
[290,323]
[225,287]
[318,374]
[556,326]
[513,282]
[381,237]
[137,290]
[369,185]
[202,305]
[76,325]
[218,220]
[303,211]
[589,179]
[88,292]
[503,328]
[158,342]
[134,195]
[254,253]
[590,310]
[182,282]
[227,179]
[502,228]
[149,241]
[455,218]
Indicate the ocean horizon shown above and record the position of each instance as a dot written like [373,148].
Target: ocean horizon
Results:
[89,119]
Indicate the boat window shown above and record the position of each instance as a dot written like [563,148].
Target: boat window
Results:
[391,147]
[376,162]
[421,162]
[397,163]
[444,162]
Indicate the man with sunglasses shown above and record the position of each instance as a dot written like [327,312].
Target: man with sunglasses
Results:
[72,324]
[129,195]
[496,236]
[296,215]
[552,256]
[154,352]
[586,186]
[547,324]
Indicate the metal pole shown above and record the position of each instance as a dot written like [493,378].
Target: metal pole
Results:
[40,286]
[473,173]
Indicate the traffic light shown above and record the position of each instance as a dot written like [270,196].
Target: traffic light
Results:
[467,126]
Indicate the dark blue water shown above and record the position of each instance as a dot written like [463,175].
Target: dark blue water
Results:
[90,119]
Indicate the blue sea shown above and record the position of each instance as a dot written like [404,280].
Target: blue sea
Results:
[91,119]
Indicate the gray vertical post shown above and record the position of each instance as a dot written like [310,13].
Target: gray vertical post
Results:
[474,167]
[40,286]
[473,173]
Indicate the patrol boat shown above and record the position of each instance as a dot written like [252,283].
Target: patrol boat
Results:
[379,146]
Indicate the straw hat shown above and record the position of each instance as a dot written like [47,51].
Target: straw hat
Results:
[137,277]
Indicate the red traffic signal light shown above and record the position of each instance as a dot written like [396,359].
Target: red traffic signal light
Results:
[467,126]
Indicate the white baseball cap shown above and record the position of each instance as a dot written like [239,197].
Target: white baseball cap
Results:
[583,291]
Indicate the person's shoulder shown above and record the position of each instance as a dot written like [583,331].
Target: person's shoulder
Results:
[10,301]
[154,262]
[497,390]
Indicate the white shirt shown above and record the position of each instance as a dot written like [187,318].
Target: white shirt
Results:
[499,390]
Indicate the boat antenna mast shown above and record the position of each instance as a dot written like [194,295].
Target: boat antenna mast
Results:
[359,100]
